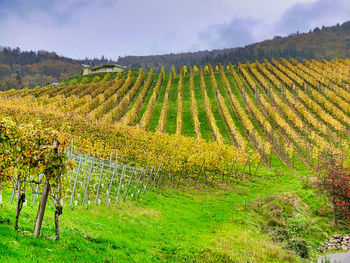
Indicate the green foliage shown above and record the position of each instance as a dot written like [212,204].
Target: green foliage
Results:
[129,73]
[84,80]
[96,79]
[4,70]
[119,75]
[300,246]
[211,256]
[107,77]
[185,71]
[73,82]
[293,221]
[296,226]
[27,149]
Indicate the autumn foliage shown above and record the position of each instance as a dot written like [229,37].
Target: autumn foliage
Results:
[335,182]
[31,149]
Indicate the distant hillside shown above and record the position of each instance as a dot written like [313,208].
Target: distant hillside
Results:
[327,42]
[20,69]
[167,60]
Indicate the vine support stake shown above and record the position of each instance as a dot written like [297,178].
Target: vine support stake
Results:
[149,180]
[110,185]
[88,181]
[75,181]
[37,190]
[137,184]
[14,190]
[120,184]
[99,183]
[41,210]
[127,189]
[155,177]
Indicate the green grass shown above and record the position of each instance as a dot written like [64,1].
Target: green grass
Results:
[159,105]
[226,97]
[187,119]
[148,97]
[132,102]
[171,123]
[220,122]
[169,225]
[202,115]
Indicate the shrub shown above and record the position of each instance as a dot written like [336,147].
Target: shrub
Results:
[96,79]
[107,77]
[84,80]
[335,182]
[299,246]
[73,82]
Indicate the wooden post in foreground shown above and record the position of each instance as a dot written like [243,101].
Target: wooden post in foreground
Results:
[41,209]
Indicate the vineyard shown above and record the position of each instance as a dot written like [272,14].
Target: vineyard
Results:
[291,111]
[139,136]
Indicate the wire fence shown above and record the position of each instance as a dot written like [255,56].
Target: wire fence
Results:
[95,181]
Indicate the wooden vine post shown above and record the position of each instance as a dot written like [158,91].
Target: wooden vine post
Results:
[55,168]
[41,209]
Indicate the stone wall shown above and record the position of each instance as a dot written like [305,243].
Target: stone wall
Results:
[336,242]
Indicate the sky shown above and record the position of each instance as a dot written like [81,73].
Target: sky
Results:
[113,28]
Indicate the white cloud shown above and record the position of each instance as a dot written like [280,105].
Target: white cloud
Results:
[301,17]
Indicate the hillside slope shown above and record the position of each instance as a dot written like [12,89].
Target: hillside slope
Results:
[287,109]
[327,42]
[20,69]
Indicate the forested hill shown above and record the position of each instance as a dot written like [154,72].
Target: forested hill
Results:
[327,42]
[178,59]
[20,69]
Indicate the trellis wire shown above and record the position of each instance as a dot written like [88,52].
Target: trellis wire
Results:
[99,180]
[93,176]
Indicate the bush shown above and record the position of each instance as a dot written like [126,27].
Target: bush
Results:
[73,82]
[84,80]
[335,182]
[299,246]
[107,77]
[96,79]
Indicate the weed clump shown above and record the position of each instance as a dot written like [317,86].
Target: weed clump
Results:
[284,217]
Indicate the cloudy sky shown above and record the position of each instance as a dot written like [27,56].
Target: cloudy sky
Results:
[91,28]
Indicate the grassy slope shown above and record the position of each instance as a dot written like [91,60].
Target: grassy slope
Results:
[220,122]
[226,97]
[202,115]
[170,125]
[159,105]
[187,119]
[172,225]
[137,94]
[148,97]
